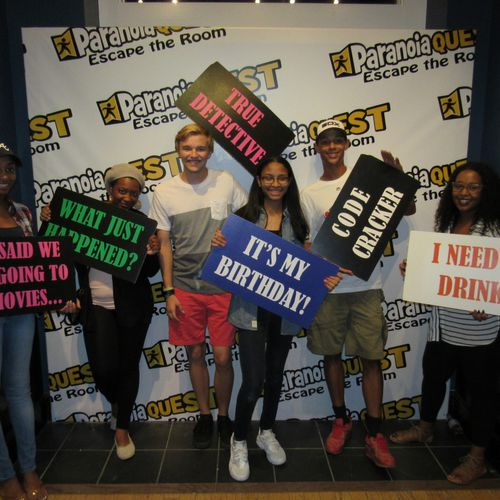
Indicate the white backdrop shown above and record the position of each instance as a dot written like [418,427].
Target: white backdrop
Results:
[97,97]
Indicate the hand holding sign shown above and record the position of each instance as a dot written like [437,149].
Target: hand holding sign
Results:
[35,274]
[105,237]
[268,270]
[364,215]
[330,282]
[454,270]
[394,162]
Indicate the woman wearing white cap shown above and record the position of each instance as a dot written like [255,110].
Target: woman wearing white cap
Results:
[115,315]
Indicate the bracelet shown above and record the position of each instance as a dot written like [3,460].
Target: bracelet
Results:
[168,291]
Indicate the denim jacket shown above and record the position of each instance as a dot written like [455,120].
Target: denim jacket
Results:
[243,314]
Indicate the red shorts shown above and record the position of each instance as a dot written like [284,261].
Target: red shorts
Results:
[202,311]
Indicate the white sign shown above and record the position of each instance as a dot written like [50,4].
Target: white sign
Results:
[453,270]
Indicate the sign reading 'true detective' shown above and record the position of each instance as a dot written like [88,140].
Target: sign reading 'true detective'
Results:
[238,120]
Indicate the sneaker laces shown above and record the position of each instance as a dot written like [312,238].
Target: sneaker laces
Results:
[239,452]
[269,438]
[339,428]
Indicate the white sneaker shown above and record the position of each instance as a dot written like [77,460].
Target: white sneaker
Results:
[239,469]
[266,440]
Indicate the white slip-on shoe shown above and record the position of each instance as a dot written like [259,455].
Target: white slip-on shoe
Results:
[127,451]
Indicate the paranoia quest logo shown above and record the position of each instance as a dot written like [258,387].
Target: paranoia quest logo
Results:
[402,315]
[456,104]
[153,107]
[144,109]
[47,131]
[433,179]
[309,381]
[165,355]
[154,167]
[110,44]
[361,125]
[402,57]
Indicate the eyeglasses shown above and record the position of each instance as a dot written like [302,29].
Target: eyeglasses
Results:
[280,179]
[472,188]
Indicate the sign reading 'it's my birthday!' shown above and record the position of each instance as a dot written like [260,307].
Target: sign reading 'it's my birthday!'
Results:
[238,120]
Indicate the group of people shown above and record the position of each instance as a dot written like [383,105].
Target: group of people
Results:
[190,210]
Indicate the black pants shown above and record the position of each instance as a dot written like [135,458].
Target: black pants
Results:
[263,356]
[114,351]
[479,368]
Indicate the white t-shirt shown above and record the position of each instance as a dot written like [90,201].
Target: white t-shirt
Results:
[192,213]
[317,199]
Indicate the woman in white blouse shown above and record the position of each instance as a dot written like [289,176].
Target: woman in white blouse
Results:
[460,340]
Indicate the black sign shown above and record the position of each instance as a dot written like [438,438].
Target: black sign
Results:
[105,237]
[238,120]
[36,274]
[365,215]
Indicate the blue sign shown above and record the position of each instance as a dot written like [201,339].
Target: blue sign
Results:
[269,271]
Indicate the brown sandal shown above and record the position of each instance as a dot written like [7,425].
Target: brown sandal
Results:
[416,433]
[34,488]
[470,469]
[11,489]
[37,494]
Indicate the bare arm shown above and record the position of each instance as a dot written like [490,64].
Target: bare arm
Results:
[174,307]
[394,162]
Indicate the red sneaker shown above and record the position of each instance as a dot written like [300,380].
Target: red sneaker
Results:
[376,449]
[339,434]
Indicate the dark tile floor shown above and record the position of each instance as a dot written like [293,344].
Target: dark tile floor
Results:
[83,453]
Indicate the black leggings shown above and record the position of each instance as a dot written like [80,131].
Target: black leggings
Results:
[263,355]
[479,368]
[114,351]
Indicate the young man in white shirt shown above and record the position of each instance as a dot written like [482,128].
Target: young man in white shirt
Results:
[351,314]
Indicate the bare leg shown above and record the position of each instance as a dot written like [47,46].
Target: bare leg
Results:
[223,379]
[372,386]
[11,488]
[334,376]
[198,372]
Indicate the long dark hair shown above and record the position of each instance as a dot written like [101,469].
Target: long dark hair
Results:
[488,210]
[291,200]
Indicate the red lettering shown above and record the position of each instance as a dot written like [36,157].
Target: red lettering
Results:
[459,287]
[436,253]
[445,285]
[199,101]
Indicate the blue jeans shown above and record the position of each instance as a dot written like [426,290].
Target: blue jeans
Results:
[16,343]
